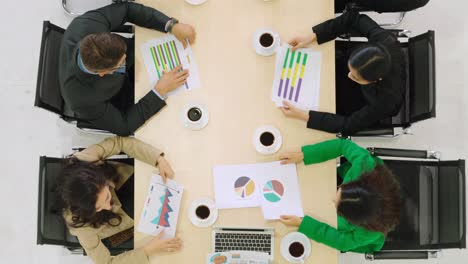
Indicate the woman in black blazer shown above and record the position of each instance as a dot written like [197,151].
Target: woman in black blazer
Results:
[377,66]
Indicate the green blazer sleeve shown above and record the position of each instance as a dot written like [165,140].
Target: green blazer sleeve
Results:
[114,145]
[356,238]
[332,149]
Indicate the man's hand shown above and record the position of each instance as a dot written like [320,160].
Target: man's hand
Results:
[169,81]
[293,112]
[302,41]
[184,32]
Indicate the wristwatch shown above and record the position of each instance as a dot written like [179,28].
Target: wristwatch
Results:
[172,22]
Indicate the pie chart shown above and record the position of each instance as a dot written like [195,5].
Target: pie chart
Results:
[273,191]
[244,186]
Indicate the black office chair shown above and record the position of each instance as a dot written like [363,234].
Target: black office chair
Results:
[420,97]
[72,13]
[382,6]
[48,93]
[434,217]
[51,227]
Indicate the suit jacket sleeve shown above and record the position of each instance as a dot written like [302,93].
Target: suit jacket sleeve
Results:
[112,146]
[350,21]
[114,16]
[112,119]
[347,125]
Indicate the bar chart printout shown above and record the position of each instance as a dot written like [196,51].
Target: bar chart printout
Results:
[167,53]
[297,78]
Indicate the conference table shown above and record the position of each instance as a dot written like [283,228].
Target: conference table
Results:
[236,90]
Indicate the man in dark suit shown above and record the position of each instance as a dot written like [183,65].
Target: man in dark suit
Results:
[96,67]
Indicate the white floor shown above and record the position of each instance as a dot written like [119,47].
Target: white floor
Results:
[28,132]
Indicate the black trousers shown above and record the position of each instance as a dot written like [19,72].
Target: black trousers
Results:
[382,6]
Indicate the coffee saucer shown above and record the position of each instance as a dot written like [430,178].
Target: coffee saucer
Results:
[262,50]
[203,222]
[267,150]
[195,2]
[198,124]
[290,238]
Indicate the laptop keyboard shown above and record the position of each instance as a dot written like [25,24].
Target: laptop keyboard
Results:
[244,242]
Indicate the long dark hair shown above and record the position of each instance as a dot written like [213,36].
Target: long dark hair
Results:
[372,61]
[373,201]
[78,185]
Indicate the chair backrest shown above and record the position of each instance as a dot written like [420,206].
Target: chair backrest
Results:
[51,227]
[421,54]
[48,94]
[434,213]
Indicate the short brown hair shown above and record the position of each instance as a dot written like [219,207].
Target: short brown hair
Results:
[102,51]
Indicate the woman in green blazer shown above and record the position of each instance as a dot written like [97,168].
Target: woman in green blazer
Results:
[368,201]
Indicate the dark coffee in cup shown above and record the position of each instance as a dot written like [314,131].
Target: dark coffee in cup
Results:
[194,114]
[267,139]
[202,212]
[296,249]
[266,40]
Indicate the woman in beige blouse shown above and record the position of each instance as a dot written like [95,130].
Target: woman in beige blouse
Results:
[92,209]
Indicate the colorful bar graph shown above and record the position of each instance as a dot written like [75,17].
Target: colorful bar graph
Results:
[178,59]
[293,83]
[301,76]
[166,57]
[291,61]
[283,72]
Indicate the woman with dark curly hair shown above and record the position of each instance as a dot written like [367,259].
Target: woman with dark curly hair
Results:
[87,189]
[368,202]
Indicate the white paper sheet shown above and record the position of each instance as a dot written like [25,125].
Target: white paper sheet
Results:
[271,185]
[297,78]
[161,209]
[166,53]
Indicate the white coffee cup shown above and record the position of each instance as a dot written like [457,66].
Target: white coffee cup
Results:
[295,247]
[267,140]
[195,116]
[266,41]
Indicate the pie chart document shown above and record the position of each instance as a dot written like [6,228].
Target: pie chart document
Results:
[271,186]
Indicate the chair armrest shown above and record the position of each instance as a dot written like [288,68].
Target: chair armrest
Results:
[403,153]
[401,255]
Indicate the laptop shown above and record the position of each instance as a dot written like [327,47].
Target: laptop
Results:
[244,239]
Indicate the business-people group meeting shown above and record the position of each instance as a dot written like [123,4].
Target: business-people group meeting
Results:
[97,80]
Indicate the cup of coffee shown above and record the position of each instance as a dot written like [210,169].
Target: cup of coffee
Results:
[194,114]
[267,140]
[202,212]
[266,41]
[296,249]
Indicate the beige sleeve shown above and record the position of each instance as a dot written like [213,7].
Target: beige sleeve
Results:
[114,145]
[99,253]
